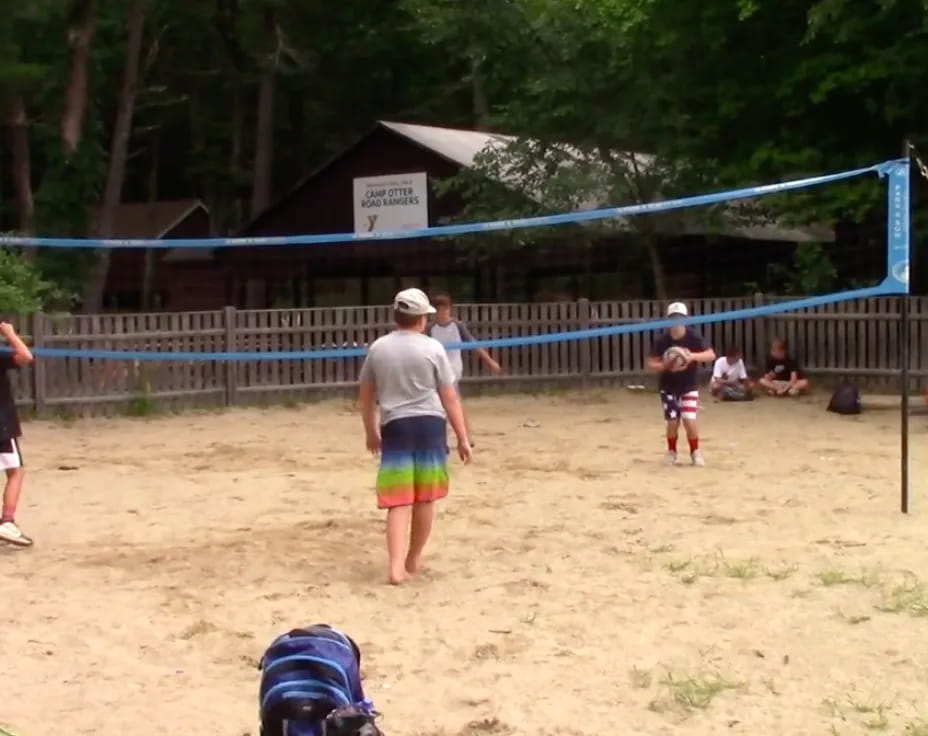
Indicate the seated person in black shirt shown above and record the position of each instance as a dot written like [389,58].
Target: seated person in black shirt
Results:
[782,375]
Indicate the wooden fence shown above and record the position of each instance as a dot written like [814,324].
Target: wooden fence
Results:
[858,339]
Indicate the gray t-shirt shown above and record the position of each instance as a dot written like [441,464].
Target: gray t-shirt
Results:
[453,333]
[406,369]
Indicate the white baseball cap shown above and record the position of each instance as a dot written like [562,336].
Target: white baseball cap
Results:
[677,308]
[413,302]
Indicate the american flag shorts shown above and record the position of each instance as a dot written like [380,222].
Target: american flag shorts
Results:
[680,406]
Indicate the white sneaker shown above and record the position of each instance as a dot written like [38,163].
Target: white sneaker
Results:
[11,533]
[698,460]
[670,458]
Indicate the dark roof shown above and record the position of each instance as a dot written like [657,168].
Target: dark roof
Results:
[295,189]
[460,147]
[149,220]
[155,221]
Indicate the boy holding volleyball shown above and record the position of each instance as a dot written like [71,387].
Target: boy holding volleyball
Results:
[409,375]
[11,459]
[679,382]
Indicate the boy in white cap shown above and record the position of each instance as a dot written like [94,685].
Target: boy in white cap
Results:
[409,375]
[679,388]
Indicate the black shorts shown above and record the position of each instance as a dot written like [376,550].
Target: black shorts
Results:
[10,455]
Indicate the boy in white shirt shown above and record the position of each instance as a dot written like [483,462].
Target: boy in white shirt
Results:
[730,381]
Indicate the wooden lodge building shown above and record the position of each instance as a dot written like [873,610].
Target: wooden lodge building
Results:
[399,164]
[177,279]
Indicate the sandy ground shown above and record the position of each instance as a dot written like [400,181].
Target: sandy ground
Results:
[575,586]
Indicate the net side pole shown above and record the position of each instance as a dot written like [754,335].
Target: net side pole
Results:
[899,256]
[904,411]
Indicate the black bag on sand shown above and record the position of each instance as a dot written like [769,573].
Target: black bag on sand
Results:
[845,399]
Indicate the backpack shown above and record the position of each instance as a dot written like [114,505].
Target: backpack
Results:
[845,399]
[311,686]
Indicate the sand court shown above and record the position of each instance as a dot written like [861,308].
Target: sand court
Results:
[573,584]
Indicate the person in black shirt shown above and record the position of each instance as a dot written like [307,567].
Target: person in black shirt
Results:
[679,389]
[782,374]
[11,459]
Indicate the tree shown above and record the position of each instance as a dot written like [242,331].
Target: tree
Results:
[122,130]
[264,133]
[23,289]
[81,27]
[577,66]
[19,76]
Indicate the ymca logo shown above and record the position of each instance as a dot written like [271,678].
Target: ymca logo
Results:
[901,271]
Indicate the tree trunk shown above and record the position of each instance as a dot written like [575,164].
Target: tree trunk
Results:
[148,267]
[18,123]
[80,36]
[657,267]
[116,173]
[298,132]
[235,215]
[479,94]
[264,136]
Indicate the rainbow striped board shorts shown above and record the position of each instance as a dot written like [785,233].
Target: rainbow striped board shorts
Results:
[413,462]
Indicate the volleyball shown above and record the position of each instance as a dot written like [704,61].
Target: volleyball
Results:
[676,359]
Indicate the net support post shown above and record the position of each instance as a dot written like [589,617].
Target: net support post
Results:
[231,372]
[760,332]
[898,254]
[39,375]
[585,315]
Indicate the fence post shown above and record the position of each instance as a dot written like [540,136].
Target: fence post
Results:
[586,347]
[231,377]
[39,376]
[760,332]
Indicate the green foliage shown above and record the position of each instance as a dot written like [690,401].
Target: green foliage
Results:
[811,272]
[716,94]
[23,290]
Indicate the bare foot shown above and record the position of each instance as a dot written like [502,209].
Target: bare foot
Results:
[397,578]
[413,565]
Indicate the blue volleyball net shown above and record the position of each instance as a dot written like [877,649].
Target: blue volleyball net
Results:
[894,281]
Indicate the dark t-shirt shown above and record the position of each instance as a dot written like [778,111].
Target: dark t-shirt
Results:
[682,381]
[9,417]
[782,368]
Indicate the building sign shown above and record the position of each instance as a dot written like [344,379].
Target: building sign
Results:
[392,202]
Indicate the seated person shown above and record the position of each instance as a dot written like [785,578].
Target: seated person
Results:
[730,380]
[783,376]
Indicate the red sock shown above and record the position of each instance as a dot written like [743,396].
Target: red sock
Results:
[672,444]
[694,444]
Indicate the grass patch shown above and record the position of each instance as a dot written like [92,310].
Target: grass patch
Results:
[141,406]
[640,679]
[676,566]
[688,571]
[910,597]
[916,728]
[875,718]
[872,715]
[904,595]
[831,578]
[740,569]
[661,549]
[781,573]
[691,693]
